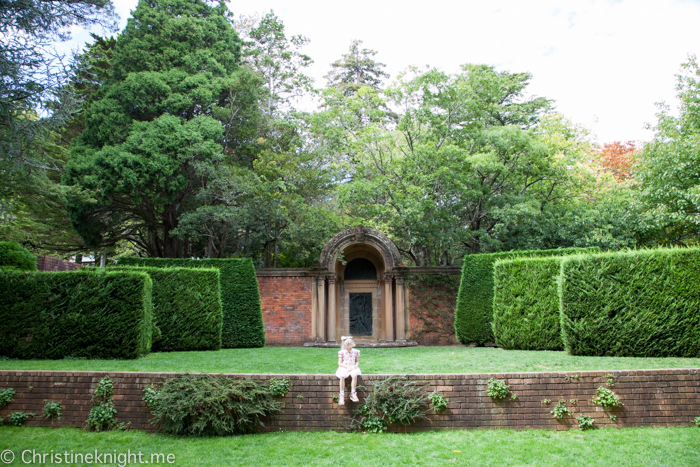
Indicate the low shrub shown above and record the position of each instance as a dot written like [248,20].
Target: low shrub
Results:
[584,422]
[279,387]
[242,325]
[438,401]
[473,315]
[499,390]
[150,396]
[52,410]
[208,405]
[18,418]
[393,400]
[606,398]
[186,307]
[632,304]
[526,304]
[93,314]
[102,415]
[6,396]
[560,410]
[14,257]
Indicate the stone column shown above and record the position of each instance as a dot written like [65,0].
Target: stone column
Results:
[400,310]
[314,309]
[388,308]
[331,308]
[321,322]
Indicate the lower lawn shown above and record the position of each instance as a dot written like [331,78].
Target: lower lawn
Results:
[609,446]
[407,360]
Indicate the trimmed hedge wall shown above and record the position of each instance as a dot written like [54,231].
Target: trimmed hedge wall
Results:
[14,257]
[473,314]
[240,297]
[186,307]
[75,314]
[526,304]
[636,304]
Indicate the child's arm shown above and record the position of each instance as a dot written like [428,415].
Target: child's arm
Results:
[341,364]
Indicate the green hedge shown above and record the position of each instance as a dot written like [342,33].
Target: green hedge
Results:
[632,304]
[526,304]
[473,314]
[75,314]
[186,307]
[14,257]
[240,297]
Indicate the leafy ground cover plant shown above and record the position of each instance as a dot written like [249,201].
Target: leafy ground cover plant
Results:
[52,410]
[393,400]
[6,396]
[438,401]
[697,422]
[606,398]
[18,418]
[102,416]
[584,422]
[279,387]
[150,394]
[499,390]
[560,410]
[208,405]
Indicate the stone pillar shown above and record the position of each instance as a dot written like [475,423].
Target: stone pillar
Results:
[331,308]
[321,323]
[400,310]
[314,309]
[388,308]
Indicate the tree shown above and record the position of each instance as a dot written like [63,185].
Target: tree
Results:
[668,169]
[458,162]
[618,158]
[176,105]
[356,69]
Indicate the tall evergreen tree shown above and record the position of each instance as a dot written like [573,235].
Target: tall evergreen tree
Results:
[357,68]
[176,107]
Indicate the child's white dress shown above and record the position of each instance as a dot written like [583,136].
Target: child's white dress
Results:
[349,358]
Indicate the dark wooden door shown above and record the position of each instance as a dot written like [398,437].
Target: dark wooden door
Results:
[361,314]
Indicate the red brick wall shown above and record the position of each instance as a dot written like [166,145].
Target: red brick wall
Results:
[431,308]
[650,397]
[286,307]
[49,263]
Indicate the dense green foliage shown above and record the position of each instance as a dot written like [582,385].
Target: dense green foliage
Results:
[526,304]
[473,314]
[393,400]
[206,405]
[75,314]
[14,257]
[102,415]
[639,303]
[499,389]
[186,307]
[240,298]
[668,166]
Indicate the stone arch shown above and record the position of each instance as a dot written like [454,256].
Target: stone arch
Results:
[331,312]
[361,235]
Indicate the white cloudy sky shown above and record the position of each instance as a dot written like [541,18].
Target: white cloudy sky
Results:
[604,62]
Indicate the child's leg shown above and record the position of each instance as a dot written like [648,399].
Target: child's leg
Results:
[354,381]
[342,384]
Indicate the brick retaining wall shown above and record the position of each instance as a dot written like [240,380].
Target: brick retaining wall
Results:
[650,397]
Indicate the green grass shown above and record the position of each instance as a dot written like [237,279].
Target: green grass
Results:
[609,446]
[410,360]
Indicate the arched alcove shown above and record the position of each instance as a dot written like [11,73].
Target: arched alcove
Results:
[359,290]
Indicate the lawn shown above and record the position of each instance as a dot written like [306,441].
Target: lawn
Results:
[610,446]
[409,360]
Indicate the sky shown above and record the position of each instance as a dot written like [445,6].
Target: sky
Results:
[605,63]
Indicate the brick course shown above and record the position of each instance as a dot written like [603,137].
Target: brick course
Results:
[286,306]
[650,397]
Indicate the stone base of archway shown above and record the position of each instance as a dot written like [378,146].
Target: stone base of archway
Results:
[360,344]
